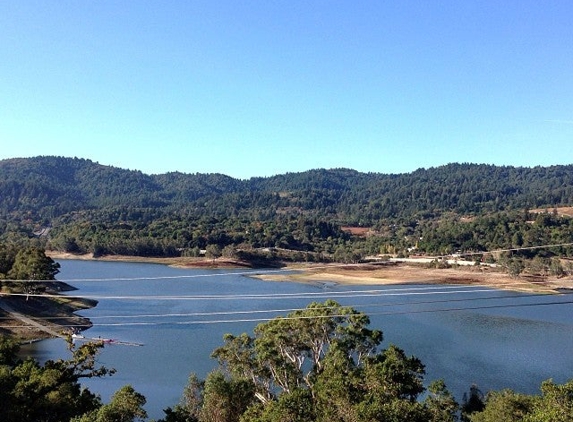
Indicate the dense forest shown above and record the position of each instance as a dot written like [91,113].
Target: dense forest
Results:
[54,186]
[76,205]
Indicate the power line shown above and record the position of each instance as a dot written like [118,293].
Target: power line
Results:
[245,320]
[274,296]
[471,308]
[343,293]
[514,249]
[175,277]
[278,311]
[410,291]
[275,311]
[256,272]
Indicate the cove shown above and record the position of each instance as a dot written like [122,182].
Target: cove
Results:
[465,335]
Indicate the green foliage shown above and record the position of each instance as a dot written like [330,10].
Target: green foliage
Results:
[213,251]
[288,353]
[30,392]
[504,406]
[319,364]
[441,405]
[555,404]
[323,364]
[33,264]
[8,351]
[297,406]
[52,392]
[80,206]
[23,268]
[225,399]
[504,230]
[126,405]
[7,258]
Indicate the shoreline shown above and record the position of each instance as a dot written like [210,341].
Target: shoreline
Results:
[39,318]
[367,274]
[179,262]
[361,274]
[405,274]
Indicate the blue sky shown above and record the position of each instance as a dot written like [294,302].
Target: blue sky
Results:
[257,88]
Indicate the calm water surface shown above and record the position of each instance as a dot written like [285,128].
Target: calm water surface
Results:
[465,335]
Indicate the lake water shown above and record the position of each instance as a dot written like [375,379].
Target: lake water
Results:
[464,335]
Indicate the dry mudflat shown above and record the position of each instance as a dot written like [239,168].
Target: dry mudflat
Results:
[366,274]
[349,274]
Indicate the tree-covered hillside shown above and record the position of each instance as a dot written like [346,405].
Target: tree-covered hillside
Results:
[57,185]
[81,206]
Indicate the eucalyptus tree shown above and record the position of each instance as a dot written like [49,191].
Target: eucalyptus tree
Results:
[324,363]
[126,405]
[288,352]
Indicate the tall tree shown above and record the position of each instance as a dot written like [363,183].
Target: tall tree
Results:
[31,265]
[287,353]
[323,363]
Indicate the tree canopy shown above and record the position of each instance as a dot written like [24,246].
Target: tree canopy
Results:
[321,363]
[79,206]
[318,364]
[30,392]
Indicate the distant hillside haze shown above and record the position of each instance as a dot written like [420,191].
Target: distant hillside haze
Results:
[59,185]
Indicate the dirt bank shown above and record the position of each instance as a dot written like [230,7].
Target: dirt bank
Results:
[59,313]
[184,262]
[41,317]
[365,274]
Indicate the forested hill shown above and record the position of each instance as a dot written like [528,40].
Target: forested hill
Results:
[54,186]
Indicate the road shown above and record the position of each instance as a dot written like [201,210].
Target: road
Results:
[17,315]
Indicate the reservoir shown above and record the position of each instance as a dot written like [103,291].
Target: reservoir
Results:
[465,335]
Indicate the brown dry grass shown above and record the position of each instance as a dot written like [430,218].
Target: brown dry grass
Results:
[357,231]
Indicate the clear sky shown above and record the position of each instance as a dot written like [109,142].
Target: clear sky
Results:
[256,88]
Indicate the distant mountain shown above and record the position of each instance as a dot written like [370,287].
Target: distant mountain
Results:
[54,186]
